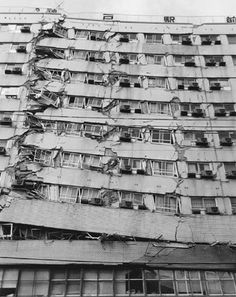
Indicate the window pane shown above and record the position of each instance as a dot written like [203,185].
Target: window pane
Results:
[73,287]
[90,288]
[105,288]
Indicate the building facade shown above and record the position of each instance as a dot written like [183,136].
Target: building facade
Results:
[117,155]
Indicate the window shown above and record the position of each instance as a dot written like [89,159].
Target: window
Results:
[166,203]
[81,34]
[234,60]
[134,133]
[209,39]
[188,282]
[33,282]
[233,204]
[228,107]
[224,135]
[219,84]
[43,157]
[231,39]
[68,127]
[65,282]
[76,101]
[62,32]
[164,168]
[190,107]
[96,56]
[6,230]
[161,136]
[136,198]
[214,61]
[97,35]
[159,282]
[49,125]
[191,137]
[156,82]
[220,283]
[197,168]
[88,194]
[187,83]
[230,167]
[71,160]
[132,164]
[177,38]
[68,194]
[93,129]
[129,282]
[95,78]
[182,60]
[94,102]
[155,59]
[199,203]
[159,107]
[92,160]
[153,38]
[78,54]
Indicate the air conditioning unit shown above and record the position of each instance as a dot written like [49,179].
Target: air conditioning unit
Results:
[180,87]
[92,59]
[191,175]
[222,63]
[227,141]
[212,210]
[21,49]
[221,112]
[218,42]
[125,83]
[184,113]
[126,204]
[124,61]
[125,108]
[138,110]
[190,64]
[207,174]
[25,29]
[124,38]
[202,142]
[186,41]
[234,211]
[142,207]
[16,70]
[2,150]
[232,113]
[231,174]
[93,37]
[137,85]
[91,81]
[6,121]
[126,170]
[197,113]
[206,42]
[141,171]
[8,71]
[96,201]
[215,87]
[194,87]
[126,137]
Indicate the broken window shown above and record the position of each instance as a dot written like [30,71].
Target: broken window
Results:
[8,280]
[96,57]
[6,231]
[71,160]
[159,107]
[93,129]
[129,282]
[164,168]
[43,157]
[129,133]
[153,38]
[156,82]
[68,194]
[78,54]
[159,282]
[166,203]
[161,136]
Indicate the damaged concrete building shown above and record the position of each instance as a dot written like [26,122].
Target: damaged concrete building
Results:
[117,155]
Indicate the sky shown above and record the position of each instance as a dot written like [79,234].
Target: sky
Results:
[140,7]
